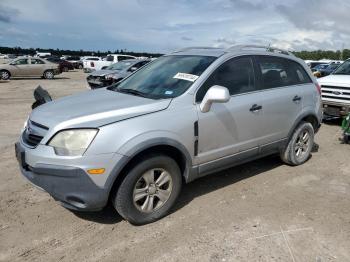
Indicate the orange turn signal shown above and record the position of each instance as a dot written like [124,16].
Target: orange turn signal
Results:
[97,171]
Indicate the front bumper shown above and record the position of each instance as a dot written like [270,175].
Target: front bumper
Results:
[334,109]
[68,184]
[94,83]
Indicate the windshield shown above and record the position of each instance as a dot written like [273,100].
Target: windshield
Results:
[166,77]
[343,69]
[119,66]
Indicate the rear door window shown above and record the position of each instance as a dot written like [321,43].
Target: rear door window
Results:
[37,62]
[279,72]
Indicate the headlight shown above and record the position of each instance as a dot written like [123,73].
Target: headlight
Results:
[72,142]
[25,123]
[109,76]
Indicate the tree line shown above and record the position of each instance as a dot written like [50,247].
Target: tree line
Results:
[323,54]
[306,55]
[60,52]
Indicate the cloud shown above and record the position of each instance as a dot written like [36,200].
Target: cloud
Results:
[323,22]
[165,25]
[248,5]
[7,14]
[186,38]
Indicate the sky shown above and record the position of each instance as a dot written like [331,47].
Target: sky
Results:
[166,25]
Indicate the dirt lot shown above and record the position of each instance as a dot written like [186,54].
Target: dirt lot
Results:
[261,211]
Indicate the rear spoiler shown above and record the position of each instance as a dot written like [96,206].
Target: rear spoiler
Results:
[41,97]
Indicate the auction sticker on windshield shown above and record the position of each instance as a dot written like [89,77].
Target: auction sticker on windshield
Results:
[187,77]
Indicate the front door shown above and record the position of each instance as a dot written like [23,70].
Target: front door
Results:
[234,127]
[20,67]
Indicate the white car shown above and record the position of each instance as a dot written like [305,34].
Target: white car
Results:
[90,66]
[336,92]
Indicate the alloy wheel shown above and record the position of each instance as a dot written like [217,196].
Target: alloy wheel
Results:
[302,144]
[152,190]
[5,75]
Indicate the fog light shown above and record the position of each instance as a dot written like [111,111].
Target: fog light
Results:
[97,171]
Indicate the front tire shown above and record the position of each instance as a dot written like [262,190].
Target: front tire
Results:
[300,145]
[149,190]
[5,75]
[48,74]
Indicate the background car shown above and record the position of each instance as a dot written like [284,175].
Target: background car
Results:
[74,60]
[312,64]
[327,70]
[317,67]
[335,92]
[28,66]
[63,65]
[115,72]
[90,66]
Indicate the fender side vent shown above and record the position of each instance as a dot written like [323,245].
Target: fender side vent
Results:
[195,138]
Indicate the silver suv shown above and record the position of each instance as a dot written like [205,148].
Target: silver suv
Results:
[185,115]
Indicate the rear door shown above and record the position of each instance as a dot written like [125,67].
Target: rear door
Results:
[283,83]
[37,67]
[233,127]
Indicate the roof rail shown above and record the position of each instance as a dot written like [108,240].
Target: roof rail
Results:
[266,48]
[193,47]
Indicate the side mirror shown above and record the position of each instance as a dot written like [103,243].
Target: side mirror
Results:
[133,68]
[215,94]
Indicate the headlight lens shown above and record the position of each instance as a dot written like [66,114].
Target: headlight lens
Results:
[25,123]
[72,142]
[109,76]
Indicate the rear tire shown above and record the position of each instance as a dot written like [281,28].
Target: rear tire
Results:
[48,74]
[5,75]
[300,145]
[149,190]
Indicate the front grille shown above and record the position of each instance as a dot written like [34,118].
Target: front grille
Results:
[34,133]
[336,93]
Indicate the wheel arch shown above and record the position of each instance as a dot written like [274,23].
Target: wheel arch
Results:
[1,70]
[310,117]
[164,146]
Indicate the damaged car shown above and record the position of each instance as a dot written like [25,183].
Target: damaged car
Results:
[115,72]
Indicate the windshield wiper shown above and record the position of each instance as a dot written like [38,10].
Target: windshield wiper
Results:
[132,92]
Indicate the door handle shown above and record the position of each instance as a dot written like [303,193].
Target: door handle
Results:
[255,108]
[297,98]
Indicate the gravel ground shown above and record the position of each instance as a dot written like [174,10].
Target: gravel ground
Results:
[261,211]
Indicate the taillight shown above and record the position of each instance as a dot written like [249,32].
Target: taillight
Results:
[92,64]
[318,87]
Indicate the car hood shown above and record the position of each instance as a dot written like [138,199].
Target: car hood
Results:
[342,80]
[104,72]
[93,109]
